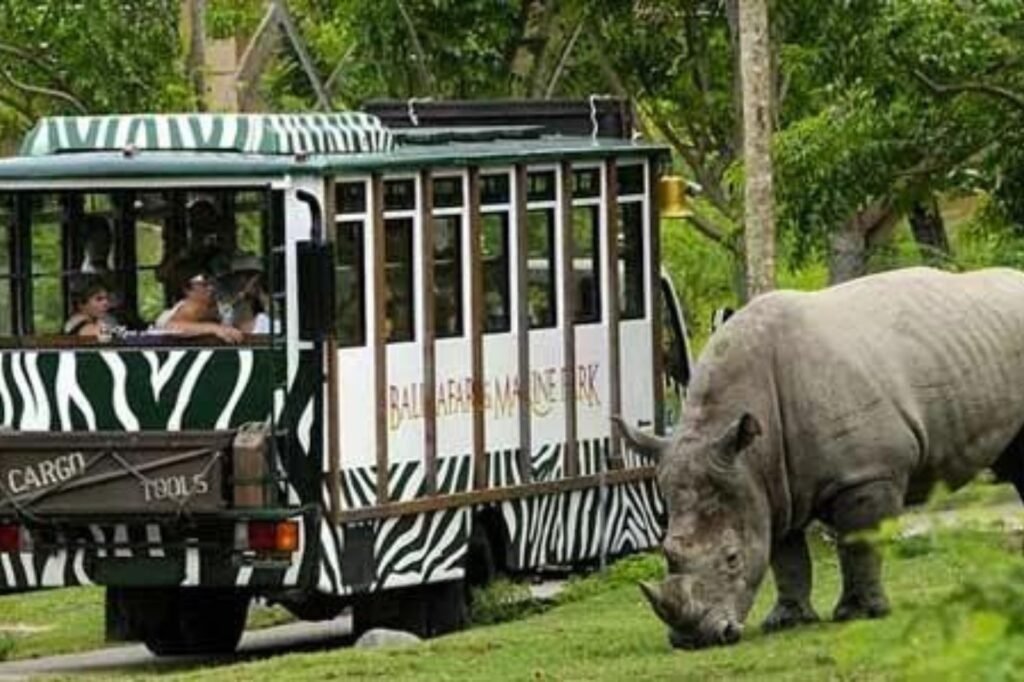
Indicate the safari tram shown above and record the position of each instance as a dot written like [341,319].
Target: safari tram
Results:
[338,360]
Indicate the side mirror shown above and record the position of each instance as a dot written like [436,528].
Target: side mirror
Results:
[316,289]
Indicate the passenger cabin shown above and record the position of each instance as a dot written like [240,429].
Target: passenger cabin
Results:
[337,361]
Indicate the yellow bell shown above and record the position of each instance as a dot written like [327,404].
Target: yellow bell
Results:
[672,197]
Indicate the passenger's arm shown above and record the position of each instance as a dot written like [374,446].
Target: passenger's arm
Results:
[183,323]
[222,332]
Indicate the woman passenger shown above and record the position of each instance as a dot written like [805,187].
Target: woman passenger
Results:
[196,314]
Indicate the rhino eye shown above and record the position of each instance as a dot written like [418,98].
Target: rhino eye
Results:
[732,559]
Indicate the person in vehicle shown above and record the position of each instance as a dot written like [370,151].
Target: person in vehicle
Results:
[208,245]
[97,239]
[248,304]
[196,314]
[91,300]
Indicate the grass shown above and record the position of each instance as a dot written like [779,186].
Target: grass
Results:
[71,620]
[603,630]
[599,627]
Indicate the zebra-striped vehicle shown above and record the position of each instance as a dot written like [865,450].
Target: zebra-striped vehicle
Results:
[452,315]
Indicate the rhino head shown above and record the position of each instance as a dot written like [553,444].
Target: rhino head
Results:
[718,536]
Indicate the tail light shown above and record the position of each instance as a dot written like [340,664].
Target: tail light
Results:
[272,536]
[10,537]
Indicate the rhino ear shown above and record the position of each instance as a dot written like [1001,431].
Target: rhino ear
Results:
[737,437]
[657,599]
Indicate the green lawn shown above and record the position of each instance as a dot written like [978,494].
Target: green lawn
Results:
[972,584]
[605,631]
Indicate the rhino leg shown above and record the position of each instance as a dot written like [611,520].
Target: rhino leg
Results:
[791,566]
[854,511]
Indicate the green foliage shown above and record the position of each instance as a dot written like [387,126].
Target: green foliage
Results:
[501,601]
[7,645]
[101,56]
[974,631]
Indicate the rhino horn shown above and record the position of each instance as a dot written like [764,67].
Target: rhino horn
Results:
[737,437]
[649,444]
[655,596]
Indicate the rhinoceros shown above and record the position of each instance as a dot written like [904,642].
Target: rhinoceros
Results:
[841,405]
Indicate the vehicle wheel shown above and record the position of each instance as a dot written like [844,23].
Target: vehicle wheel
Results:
[195,621]
[424,610]
[313,606]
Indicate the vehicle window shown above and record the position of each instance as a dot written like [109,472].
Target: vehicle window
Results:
[448,276]
[137,247]
[541,266]
[398,279]
[494,249]
[448,255]
[586,259]
[47,271]
[631,261]
[350,267]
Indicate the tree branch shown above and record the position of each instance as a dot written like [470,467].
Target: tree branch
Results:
[707,228]
[421,55]
[37,62]
[560,67]
[46,92]
[1014,98]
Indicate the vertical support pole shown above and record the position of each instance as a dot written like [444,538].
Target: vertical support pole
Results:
[654,270]
[332,386]
[125,257]
[476,339]
[568,261]
[521,225]
[21,266]
[380,375]
[429,332]
[611,222]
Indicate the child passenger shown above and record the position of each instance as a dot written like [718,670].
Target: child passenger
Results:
[90,298]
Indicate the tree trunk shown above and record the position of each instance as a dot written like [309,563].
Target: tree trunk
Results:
[525,63]
[929,231]
[759,200]
[194,16]
[848,245]
[848,256]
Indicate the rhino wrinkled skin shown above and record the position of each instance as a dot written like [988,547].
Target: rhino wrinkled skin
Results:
[841,405]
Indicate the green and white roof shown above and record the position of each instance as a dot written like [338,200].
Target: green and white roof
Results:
[271,134]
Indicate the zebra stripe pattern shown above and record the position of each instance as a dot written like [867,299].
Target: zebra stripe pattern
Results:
[335,133]
[553,529]
[65,559]
[133,390]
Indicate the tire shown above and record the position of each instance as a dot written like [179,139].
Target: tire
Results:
[424,610]
[192,621]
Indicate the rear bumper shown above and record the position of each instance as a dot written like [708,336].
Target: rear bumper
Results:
[158,551]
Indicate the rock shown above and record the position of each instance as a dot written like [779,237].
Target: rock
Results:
[382,637]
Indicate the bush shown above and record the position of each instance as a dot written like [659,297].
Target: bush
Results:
[502,601]
[7,645]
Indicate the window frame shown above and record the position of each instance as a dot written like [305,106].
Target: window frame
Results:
[640,199]
[123,254]
[361,217]
[461,260]
[412,215]
[550,207]
[595,203]
[503,209]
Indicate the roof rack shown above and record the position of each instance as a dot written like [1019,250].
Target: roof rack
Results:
[596,116]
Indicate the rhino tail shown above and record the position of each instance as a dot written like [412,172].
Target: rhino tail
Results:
[645,443]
